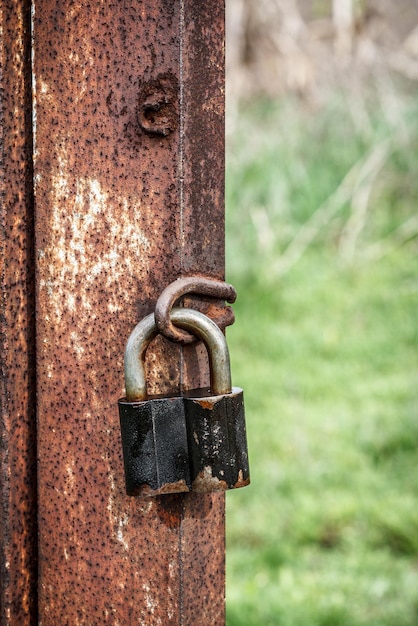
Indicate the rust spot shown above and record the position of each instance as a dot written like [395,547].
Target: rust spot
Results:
[205,482]
[158,105]
[207,403]
[170,510]
[222,315]
[241,482]
[145,491]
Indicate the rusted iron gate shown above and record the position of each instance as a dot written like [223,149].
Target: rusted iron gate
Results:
[123,195]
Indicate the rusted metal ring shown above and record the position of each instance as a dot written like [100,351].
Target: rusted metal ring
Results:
[204,329]
[182,286]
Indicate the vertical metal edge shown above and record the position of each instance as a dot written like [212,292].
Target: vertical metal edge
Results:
[204,138]
[202,541]
[203,241]
[18,526]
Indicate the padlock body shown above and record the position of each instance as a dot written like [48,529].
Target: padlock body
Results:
[155,446]
[217,441]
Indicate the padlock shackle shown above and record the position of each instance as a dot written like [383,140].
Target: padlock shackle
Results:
[188,319]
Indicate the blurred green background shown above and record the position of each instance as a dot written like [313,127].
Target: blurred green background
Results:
[322,243]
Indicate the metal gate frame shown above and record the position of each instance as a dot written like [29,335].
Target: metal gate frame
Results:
[125,193]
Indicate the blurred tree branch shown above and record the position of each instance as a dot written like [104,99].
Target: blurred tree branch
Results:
[304,47]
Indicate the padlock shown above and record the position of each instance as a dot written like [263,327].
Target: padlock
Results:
[154,435]
[215,418]
[193,442]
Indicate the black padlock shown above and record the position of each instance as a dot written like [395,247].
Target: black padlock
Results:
[192,442]
[215,418]
[154,435]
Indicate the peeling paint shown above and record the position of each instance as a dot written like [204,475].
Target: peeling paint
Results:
[78,221]
[123,522]
[205,482]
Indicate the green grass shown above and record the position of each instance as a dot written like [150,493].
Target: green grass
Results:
[326,349]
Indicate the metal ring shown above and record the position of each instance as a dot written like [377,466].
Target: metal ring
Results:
[177,289]
[202,326]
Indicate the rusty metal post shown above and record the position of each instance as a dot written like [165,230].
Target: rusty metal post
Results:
[128,169]
[17,330]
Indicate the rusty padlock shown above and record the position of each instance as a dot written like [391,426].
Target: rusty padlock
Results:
[193,442]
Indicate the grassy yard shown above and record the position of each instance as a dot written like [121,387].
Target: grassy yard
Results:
[322,243]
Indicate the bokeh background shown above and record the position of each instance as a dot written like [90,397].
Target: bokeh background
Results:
[322,244]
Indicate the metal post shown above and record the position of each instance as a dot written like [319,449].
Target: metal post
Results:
[17,330]
[128,170]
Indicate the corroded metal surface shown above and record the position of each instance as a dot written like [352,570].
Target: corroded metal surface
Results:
[117,221]
[203,128]
[17,335]
[201,286]
[218,455]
